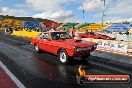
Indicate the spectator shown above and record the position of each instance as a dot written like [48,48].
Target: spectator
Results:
[127,33]
[11,30]
[73,32]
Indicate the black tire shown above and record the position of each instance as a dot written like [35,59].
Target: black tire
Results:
[36,48]
[63,57]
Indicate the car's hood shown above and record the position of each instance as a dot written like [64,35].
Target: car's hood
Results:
[77,43]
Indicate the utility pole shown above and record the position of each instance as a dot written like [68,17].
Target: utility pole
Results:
[83,13]
[104,1]
[103,15]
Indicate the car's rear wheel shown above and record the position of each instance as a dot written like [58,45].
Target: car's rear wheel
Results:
[36,48]
[63,56]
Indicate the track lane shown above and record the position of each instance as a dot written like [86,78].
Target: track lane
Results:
[43,69]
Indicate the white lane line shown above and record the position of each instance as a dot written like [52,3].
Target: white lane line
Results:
[17,82]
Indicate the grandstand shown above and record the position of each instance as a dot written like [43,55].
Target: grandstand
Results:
[29,25]
[47,24]
[119,28]
[93,27]
[84,25]
[15,24]
[67,26]
[56,25]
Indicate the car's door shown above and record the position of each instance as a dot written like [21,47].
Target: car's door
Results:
[46,43]
[43,41]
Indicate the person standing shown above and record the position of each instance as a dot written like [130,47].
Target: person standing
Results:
[73,32]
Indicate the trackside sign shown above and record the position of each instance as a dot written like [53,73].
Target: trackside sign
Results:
[110,45]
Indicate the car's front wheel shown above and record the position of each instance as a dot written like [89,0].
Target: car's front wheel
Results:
[63,56]
[36,48]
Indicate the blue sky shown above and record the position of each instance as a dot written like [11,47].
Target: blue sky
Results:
[69,10]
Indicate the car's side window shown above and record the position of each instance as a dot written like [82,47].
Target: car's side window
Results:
[46,36]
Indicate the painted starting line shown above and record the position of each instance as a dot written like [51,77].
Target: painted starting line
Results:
[13,78]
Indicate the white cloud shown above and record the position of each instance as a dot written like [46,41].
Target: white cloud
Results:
[56,15]
[51,9]
[117,11]
[91,5]
[120,11]
[45,5]
[8,11]
[122,7]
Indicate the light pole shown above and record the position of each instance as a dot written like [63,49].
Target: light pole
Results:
[103,15]
[104,1]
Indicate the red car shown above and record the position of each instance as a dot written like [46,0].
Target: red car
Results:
[63,45]
[94,35]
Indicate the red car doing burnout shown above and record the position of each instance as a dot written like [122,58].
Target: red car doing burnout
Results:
[63,45]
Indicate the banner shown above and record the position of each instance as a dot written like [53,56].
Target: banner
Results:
[110,44]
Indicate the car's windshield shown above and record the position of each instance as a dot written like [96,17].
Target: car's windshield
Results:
[60,35]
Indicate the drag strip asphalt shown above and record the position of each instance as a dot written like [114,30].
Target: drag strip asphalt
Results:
[43,70]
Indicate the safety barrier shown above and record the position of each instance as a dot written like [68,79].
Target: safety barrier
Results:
[25,33]
[2,28]
[110,45]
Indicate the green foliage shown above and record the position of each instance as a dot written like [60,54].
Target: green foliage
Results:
[83,25]
[67,26]
[23,18]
